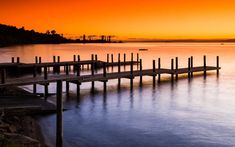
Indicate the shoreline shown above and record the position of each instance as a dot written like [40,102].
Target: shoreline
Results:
[19,111]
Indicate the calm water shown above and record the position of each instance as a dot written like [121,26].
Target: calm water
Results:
[199,112]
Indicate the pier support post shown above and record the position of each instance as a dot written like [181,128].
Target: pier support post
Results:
[58,60]
[107,58]
[39,62]
[141,73]
[172,70]
[92,73]
[36,59]
[191,66]
[34,75]
[18,60]
[131,75]
[59,115]
[217,65]
[112,59]
[12,60]
[67,83]
[137,59]
[104,75]
[74,66]
[204,65]
[54,67]
[46,84]
[78,75]
[176,68]
[154,73]
[119,71]
[124,60]
[132,57]
[3,76]
[96,62]
[159,70]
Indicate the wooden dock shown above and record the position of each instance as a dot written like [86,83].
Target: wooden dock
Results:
[18,68]
[78,79]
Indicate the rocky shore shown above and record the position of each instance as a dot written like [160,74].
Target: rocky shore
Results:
[18,123]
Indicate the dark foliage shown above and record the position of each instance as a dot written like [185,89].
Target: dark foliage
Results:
[10,35]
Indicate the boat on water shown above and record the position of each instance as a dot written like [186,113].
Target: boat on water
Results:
[143,49]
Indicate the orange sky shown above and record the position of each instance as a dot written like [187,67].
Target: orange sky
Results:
[174,19]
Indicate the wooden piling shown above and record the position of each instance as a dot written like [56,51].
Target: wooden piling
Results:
[74,66]
[67,69]
[12,60]
[54,67]
[141,73]
[132,57]
[217,65]
[107,58]
[67,88]
[172,69]
[159,68]
[45,73]
[137,59]
[92,73]
[40,60]
[58,67]
[36,59]
[3,76]
[104,75]
[18,60]
[124,60]
[131,75]
[204,65]
[191,66]
[112,59]
[34,75]
[119,70]
[154,72]
[176,68]
[46,85]
[59,115]
[78,74]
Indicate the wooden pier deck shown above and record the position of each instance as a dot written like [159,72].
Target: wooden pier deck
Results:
[104,77]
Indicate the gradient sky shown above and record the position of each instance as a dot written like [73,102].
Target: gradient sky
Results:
[173,19]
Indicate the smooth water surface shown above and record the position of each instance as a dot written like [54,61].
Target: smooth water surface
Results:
[199,112]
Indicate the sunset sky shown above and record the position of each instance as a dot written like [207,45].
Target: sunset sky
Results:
[159,19]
